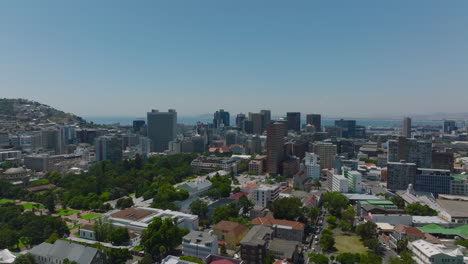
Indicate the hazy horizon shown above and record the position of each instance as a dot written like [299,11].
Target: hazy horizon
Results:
[360,59]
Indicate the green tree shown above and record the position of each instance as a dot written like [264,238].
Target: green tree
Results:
[245,204]
[225,212]
[318,258]
[314,212]
[419,209]
[199,208]
[161,233]
[25,259]
[54,177]
[327,242]
[331,220]
[269,258]
[119,236]
[191,259]
[287,208]
[367,230]
[348,258]
[335,202]
[405,258]
[49,202]
[349,214]
[118,255]
[463,242]
[124,203]
[398,201]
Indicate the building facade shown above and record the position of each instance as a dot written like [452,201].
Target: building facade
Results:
[161,129]
[275,147]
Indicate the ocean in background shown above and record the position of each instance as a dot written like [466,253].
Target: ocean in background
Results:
[194,120]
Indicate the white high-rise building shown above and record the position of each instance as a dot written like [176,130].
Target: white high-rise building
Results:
[264,195]
[340,183]
[312,166]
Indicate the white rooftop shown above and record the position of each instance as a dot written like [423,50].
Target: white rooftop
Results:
[430,249]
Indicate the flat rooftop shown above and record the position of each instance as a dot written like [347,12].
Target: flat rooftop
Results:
[131,214]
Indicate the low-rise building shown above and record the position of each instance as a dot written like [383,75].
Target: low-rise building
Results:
[255,244]
[230,232]
[47,253]
[256,167]
[175,260]
[427,253]
[204,164]
[285,249]
[283,229]
[199,244]
[138,218]
[402,232]
[197,187]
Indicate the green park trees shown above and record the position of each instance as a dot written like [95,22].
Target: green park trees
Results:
[161,237]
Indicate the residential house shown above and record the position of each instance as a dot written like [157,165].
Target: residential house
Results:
[230,232]
[283,229]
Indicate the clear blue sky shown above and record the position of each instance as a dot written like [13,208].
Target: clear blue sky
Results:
[351,58]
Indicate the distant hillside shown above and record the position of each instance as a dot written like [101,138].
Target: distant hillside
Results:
[24,111]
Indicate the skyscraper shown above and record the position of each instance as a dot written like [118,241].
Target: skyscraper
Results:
[348,127]
[326,152]
[315,120]
[449,126]
[257,123]
[294,121]
[400,175]
[266,118]
[410,150]
[221,117]
[406,131]
[108,148]
[137,125]
[161,129]
[275,147]
[240,118]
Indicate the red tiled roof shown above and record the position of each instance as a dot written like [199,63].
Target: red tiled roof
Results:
[222,261]
[270,222]
[232,228]
[409,230]
[237,195]
[250,186]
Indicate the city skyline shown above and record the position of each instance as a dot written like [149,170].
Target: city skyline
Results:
[359,59]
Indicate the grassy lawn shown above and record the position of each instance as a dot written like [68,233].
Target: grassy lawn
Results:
[29,206]
[70,227]
[65,212]
[5,201]
[351,244]
[90,216]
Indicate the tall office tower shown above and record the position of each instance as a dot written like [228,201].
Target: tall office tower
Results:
[248,126]
[400,175]
[50,139]
[294,121]
[348,127]
[254,145]
[312,166]
[326,152]
[4,139]
[449,126]
[144,147]
[338,164]
[108,148]
[410,150]
[406,131]
[231,137]
[221,117]
[266,118]
[66,137]
[443,160]
[161,129]
[138,125]
[275,147]
[315,120]
[257,123]
[240,118]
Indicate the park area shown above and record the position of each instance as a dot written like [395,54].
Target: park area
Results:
[350,244]
[6,201]
[67,212]
[30,206]
[90,216]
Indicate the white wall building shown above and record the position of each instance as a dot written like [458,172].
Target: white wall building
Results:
[263,195]
[427,253]
[340,183]
[200,244]
[312,166]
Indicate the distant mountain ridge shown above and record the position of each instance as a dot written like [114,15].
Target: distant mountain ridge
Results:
[25,111]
